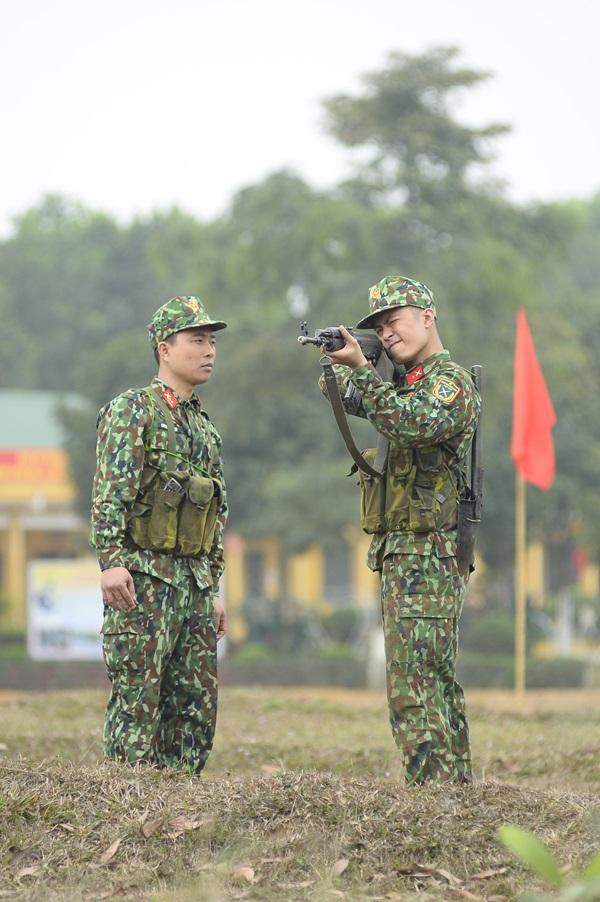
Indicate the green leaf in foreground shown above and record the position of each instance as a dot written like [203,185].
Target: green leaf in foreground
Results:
[532,852]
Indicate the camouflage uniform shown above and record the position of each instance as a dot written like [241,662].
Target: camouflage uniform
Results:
[421,589]
[161,656]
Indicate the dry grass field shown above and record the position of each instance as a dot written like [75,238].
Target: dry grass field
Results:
[303,798]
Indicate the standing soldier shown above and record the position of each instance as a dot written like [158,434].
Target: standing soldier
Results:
[411,511]
[158,514]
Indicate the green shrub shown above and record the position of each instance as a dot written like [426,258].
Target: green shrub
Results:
[557,673]
[337,650]
[13,646]
[498,672]
[309,669]
[485,671]
[253,651]
[282,624]
[343,624]
[493,632]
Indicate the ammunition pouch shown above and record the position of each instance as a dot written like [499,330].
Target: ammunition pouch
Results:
[153,522]
[417,493]
[372,497]
[178,522]
[198,516]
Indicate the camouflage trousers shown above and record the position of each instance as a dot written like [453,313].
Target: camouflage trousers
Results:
[162,663]
[421,604]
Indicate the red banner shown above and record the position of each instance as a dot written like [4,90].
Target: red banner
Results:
[533,413]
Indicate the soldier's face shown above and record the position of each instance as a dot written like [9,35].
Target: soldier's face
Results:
[190,357]
[404,332]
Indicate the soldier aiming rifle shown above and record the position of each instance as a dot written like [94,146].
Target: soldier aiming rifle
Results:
[418,505]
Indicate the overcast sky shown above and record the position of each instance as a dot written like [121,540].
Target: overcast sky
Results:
[134,105]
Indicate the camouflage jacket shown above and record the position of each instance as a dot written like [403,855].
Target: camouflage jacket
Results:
[127,426]
[438,406]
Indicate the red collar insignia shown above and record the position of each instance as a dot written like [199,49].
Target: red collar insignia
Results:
[170,398]
[415,374]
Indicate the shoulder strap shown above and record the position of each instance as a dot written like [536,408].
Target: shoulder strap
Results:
[155,399]
[154,395]
[389,372]
[339,413]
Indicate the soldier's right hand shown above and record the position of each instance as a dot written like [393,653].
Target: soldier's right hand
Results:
[350,354]
[117,587]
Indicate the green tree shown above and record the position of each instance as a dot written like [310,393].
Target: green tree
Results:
[418,153]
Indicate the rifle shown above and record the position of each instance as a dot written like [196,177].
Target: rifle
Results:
[331,339]
[469,507]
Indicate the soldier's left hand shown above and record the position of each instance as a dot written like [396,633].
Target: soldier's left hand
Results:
[220,617]
[350,355]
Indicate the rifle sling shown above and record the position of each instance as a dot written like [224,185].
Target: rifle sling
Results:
[337,405]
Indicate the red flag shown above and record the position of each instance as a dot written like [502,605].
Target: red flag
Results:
[533,413]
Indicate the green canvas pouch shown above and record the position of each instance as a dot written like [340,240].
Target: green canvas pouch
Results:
[372,498]
[169,491]
[198,511]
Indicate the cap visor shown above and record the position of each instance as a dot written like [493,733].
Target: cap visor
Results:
[368,322]
[213,324]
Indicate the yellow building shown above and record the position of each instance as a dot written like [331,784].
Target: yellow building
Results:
[314,577]
[37,518]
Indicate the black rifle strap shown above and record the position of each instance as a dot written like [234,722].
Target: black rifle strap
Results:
[339,413]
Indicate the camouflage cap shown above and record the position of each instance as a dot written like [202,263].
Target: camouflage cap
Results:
[396,291]
[181,312]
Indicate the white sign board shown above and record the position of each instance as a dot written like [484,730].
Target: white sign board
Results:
[64,610]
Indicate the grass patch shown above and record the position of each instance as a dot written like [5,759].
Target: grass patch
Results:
[302,799]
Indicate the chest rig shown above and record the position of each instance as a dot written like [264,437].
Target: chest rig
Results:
[418,492]
[176,508]
[407,489]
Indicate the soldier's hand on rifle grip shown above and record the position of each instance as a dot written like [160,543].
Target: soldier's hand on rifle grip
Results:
[350,355]
[117,587]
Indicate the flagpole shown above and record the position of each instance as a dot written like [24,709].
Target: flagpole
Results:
[520,593]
